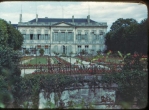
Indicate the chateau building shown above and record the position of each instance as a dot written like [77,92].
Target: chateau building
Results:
[62,35]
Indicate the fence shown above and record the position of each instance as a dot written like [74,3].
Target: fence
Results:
[61,66]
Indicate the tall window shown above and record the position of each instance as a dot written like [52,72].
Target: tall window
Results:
[86,35]
[69,37]
[79,48]
[38,36]
[46,36]
[55,36]
[79,37]
[24,36]
[86,48]
[62,36]
[31,36]
[31,50]
[64,49]
[46,50]
[55,48]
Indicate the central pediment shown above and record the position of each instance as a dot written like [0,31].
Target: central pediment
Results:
[62,24]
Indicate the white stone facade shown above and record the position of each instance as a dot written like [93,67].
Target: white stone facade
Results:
[63,37]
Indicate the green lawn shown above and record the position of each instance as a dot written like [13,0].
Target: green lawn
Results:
[40,60]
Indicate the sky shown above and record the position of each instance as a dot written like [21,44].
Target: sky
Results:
[99,11]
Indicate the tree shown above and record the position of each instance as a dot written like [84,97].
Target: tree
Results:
[9,36]
[9,74]
[132,82]
[127,36]
[26,52]
[119,23]
[41,51]
[10,42]
[142,34]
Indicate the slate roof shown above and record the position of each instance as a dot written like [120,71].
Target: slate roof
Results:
[76,20]
[15,25]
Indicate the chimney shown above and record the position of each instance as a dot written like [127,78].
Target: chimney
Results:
[88,18]
[36,17]
[20,17]
[73,19]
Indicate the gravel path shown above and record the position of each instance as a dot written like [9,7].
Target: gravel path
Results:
[25,61]
[73,60]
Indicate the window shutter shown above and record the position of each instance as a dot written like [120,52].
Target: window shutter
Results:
[66,35]
[56,48]
[43,36]
[93,37]
[53,36]
[59,36]
[61,49]
[27,37]
[72,37]
[48,37]
[34,37]
[68,49]
[87,37]
[84,37]
[79,37]
[62,36]
[69,38]
[24,37]
[56,35]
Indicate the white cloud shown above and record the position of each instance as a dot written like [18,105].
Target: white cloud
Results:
[99,11]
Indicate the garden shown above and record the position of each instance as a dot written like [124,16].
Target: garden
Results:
[70,81]
[98,64]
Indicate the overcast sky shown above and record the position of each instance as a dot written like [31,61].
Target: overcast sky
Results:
[99,11]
